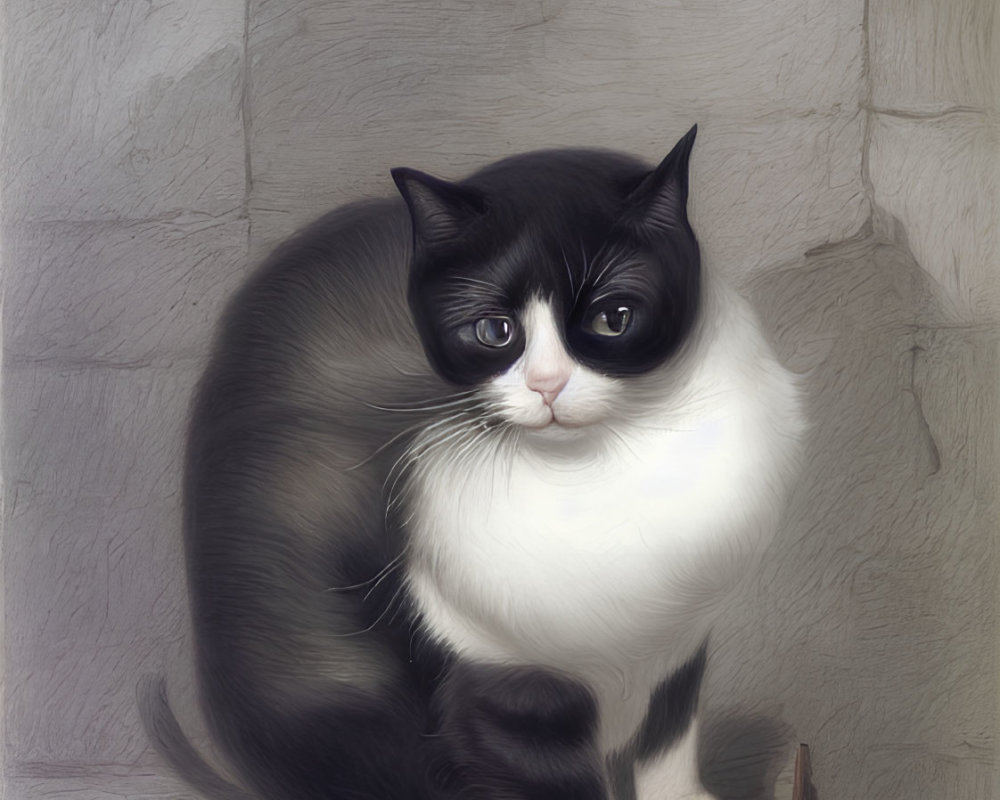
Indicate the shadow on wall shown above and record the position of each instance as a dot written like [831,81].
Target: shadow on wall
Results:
[743,753]
[870,632]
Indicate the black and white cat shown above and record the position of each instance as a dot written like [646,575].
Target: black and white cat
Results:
[467,479]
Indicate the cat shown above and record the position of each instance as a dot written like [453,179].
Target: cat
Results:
[468,475]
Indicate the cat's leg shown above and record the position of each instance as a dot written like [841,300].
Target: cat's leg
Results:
[520,733]
[305,716]
[344,745]
[666,746]
[673,774]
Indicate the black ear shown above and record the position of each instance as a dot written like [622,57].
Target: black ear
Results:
[659,203]
[440,210]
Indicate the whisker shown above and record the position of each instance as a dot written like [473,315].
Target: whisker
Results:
[505,448]
[395,474]
[621,439]
[406,374]
[614,261]
[446,436]
[424,444]
[430,405]
[586,262]
[399,435]
[461,455]
[395,564]
[640,427]
[569,273]
[478,282]
[414,404]
[419,448]
[380,617]
[376,577]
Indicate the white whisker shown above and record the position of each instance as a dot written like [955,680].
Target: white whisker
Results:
[408,452]
[402,433]
[620,439]
[460,457]
[613,262]
[478,282]
[455,428]
[569,273]
[432,405]
[586,262]
[376,577]
[395,564]
[378,619]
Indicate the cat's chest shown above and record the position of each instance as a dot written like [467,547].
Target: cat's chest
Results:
[554,558]
[582,517]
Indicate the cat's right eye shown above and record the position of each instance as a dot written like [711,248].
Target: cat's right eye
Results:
[495,331]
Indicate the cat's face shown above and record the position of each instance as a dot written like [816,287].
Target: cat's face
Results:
[548,281]
[546,385]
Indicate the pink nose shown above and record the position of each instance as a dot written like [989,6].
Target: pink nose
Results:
[547,385]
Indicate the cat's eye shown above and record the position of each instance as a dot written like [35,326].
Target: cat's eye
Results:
[611,322]
[495,331]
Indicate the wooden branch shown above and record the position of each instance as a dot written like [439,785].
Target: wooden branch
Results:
[802,787]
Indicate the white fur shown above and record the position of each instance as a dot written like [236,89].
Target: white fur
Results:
[585,397]
[673,775]
[599,544]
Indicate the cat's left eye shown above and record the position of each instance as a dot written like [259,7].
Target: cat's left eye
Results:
[495,331]
[611,322]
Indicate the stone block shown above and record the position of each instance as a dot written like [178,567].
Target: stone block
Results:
[939,179]
[122,110]
[929,56]
[93,575]
[118,293]
[869,627]
[340,96]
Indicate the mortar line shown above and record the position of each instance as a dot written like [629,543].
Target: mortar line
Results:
[867,106]
[911,113]
[246,117]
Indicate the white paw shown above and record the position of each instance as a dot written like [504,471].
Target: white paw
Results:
[673,793]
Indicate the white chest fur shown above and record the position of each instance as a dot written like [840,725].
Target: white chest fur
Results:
[604,555]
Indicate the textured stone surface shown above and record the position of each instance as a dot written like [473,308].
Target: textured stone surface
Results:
[98,787]
[123,231]
[148,147]
[933,56]
[935,139]
[939,178]
[120,109]
[871,628]
[92,575]
[339,97]
[118,293]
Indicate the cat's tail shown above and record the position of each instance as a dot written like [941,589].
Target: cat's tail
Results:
[165,734]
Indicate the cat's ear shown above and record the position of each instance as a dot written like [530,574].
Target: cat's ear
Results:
[440,210]
[659,202]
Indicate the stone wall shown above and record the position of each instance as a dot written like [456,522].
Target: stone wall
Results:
[154,150]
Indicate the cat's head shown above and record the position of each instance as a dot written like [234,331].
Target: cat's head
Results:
[548,280]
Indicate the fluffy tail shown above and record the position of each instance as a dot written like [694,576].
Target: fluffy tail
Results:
[166,736]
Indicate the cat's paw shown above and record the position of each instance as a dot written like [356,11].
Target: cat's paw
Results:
[523,732]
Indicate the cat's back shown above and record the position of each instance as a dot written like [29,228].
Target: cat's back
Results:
[321,330]
[336,285]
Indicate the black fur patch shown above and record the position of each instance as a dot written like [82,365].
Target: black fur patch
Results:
[591,231]
[672,707]
[516,732]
